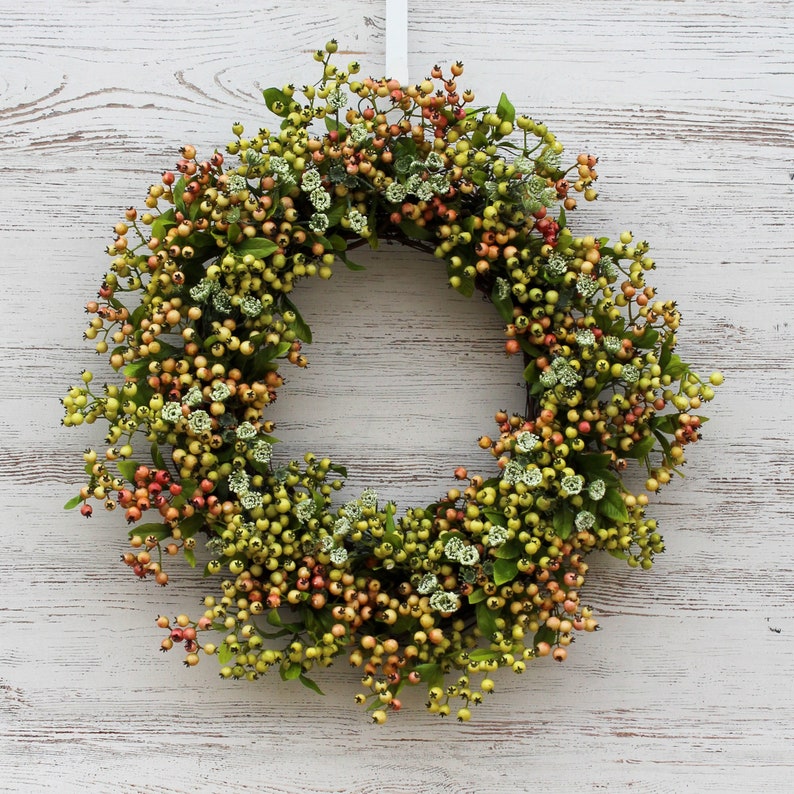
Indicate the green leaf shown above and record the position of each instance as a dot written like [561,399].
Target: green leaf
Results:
[224,653]
[159,531]
[332,125]
[667,351]
[136,369]
[302,330]
[414,230]
[157,457]
[503,303]
[511,550]
[528,348]
[127,469]
[564,239]
[351,265]
[337,242]
[274,619]
[648,338]
[73,502]
[161,224]
[486,619]
[257,246]
[466,286]
[593,464]
[268,353]
[310,684]
[289,672]
[675,367]
[176,191]
[274,95]
[495,517]
[483,655]
[504,571]
[545,634]
[391,535]
[336,212]
[430,674]
[190,557]
[641,449]
[505,109]
[613,507]
[478,595]
[478,140]
[563,521]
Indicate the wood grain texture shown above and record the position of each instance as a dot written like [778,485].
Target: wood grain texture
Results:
[688,687]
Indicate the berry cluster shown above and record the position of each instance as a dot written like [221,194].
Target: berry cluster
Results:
[195,314]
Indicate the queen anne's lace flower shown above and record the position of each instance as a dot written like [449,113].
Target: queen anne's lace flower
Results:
[428,584]
[338,555]
[526,441]
[497,536]
[443,601]
[199,421]
[596,490]
[171,412]
[245,431]
[572,485]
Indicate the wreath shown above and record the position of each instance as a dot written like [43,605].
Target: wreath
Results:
[196,315]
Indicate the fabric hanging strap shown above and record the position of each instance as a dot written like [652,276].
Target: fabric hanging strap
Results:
[397,40]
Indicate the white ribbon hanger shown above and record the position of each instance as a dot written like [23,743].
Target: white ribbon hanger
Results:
[397,40]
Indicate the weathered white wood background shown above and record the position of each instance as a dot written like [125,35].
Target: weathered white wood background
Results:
[689,685]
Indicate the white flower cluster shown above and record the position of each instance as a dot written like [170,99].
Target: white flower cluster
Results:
[262,451]
[573,485]
[517,471]
[193,397]
[596,490]
[318,222]
[304,511]
[358,133]
[171,412]
[458,551]
[556,265]
[239,482]
[320,198]
[220,393]
[199,421]
[338,555]
[396,192]
[245,431]
[251,500]
[428,584]
[358,222]
[251,306]
[497,536]
[310,180]
[526,441]
[586,285]
[560,371]
[442,601]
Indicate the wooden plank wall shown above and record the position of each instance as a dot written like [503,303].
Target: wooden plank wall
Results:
[689,685]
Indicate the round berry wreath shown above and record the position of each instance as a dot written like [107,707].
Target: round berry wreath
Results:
[196,308]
